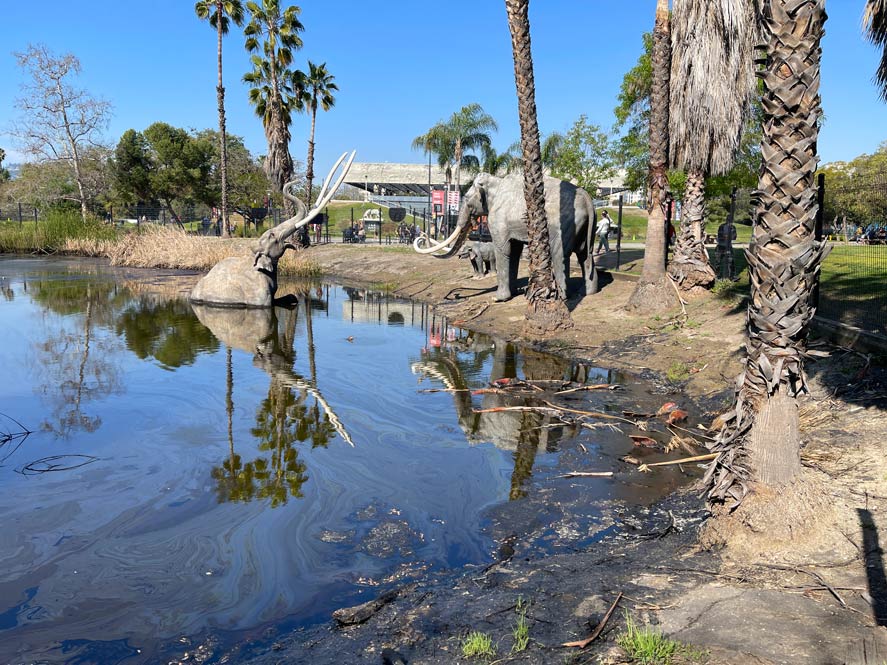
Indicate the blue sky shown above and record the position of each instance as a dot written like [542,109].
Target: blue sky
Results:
[401,65]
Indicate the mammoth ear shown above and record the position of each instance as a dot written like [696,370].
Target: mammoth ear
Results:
[263,262]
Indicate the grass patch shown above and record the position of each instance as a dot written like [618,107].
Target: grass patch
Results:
[55,233]
[678,372]
[521,630]
[650,647]
[478,645]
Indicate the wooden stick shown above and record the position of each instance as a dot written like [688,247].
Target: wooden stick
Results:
[597,631]
[587,474]
[683,460]
[593,414]
[596,386]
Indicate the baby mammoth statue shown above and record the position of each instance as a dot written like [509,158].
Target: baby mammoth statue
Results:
[481,256]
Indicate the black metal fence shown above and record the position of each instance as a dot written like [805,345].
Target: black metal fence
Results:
[853,285]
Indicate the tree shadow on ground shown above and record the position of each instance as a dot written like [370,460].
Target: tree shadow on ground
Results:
[874,566]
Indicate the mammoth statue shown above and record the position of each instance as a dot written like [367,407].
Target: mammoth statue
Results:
[481,256]
[251,281]
[571,219]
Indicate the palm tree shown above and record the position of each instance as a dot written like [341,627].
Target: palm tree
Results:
[315,87]
[551,148]
[712,86]
[469,129]
[220,13]
[875,22]
[760,441]
[276,35]
[654,292]
[546,307]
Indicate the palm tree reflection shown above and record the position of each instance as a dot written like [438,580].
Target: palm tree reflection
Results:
[521,432]
[293,412]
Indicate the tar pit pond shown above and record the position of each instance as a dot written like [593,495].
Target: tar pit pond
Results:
[197,475]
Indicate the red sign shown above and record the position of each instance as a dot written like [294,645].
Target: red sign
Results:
[437,200]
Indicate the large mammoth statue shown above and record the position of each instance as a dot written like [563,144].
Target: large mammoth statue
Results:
[571,219]
[251,281]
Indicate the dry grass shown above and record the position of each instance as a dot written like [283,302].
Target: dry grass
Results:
[166,247]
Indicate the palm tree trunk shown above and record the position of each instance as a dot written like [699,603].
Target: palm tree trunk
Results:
[761,442]
[223,148]
[546,307]
[653,292]
[309,163]
[690,267]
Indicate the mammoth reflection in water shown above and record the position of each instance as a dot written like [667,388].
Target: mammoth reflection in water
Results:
[448,361]
[294,411]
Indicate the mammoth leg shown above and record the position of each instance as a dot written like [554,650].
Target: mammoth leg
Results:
[507,260]
[476,265]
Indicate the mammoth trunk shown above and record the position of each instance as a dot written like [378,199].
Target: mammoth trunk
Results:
[458,238]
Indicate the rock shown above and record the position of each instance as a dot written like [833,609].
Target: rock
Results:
[235,282]
[349,616]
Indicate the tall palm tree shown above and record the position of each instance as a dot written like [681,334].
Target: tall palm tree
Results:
[760,441]
[220,14]
[315,87]
[275,35]
[875,22]
[469,129]
[654,292]
[712,86]
[546,307]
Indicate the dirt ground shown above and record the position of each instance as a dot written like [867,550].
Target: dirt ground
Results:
[742,588]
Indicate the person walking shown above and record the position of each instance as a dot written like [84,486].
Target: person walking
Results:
[724,252]
[603,231]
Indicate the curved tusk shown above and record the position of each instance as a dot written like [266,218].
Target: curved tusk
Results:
[327,192]
[422,239]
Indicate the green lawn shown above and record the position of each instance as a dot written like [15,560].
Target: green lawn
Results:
[634,225]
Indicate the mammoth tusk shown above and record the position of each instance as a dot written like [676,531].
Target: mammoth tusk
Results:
[418,243]
[326,192]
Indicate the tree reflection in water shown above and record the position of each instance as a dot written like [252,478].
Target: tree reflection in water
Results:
[293,412]
[77,366]
[523,432]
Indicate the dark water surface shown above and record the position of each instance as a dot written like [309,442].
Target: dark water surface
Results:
[213,473]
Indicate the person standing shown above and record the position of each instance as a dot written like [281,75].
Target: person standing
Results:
[726,236]
[603,231]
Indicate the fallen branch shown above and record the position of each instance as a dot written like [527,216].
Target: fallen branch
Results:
[581,644]
[644,468]
[499,409]
[587,474]
[591,414]
[596,386]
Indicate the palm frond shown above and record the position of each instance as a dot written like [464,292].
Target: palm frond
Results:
[712,80]
[874,21]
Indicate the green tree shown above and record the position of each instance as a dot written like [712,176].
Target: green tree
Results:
[4,173]
[314,89]
[271,36]
[220,14]
[654,291]
[178,167]
[633,115]
[712,86]
[546,305]
[584,156]
[131,167]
